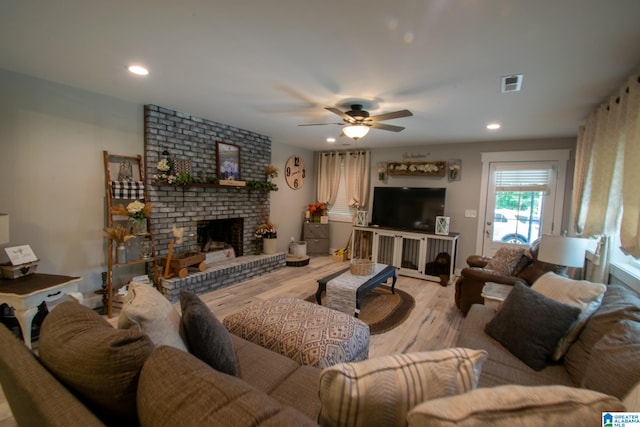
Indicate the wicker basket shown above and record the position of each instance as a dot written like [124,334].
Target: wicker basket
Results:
[361,267]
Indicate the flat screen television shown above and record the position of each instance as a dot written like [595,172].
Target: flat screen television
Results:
[407,208]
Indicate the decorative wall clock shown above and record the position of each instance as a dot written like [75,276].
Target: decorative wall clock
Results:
[294,172]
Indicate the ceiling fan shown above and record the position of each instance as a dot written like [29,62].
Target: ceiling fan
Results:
[358,121]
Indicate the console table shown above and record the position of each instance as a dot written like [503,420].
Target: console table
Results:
[26,293]
[416,254]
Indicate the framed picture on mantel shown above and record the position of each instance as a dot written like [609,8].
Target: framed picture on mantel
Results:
[228,161]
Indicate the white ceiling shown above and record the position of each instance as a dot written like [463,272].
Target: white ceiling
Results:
[270,65]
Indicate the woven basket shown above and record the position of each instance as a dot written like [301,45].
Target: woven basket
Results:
[361,267]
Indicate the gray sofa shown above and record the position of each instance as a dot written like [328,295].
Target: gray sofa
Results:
[158,386]
[611,355]
[271,388]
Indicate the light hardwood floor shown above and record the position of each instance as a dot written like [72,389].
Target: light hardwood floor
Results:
[433,324]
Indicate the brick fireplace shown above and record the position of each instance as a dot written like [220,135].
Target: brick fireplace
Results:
[193,139]
[227,231]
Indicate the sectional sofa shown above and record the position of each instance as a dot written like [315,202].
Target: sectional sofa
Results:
[90,373]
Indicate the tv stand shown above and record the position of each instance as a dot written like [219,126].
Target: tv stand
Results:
[422,255]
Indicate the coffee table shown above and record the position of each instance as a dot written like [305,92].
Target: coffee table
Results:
[349,288]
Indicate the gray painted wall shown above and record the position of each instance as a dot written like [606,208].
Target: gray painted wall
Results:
[51,142]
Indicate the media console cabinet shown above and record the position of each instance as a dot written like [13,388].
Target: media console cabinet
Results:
[422,255]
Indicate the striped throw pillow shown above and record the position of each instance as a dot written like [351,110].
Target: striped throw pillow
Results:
[516,405]
[381,391]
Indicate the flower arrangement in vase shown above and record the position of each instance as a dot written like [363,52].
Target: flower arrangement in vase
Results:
[138,212]
[266,230]
[165,171]
[120,235]
[317,210]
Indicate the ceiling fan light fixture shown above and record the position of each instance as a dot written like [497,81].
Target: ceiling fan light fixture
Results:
[355,131]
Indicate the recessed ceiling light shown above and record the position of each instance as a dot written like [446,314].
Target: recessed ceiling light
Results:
[331,140]
[138,69]
[493,126]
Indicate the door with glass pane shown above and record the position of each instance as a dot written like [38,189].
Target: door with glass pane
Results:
[520,203]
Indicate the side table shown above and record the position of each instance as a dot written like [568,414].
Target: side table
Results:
[495,293]
[26,293]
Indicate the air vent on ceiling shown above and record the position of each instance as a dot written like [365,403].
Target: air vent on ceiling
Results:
[511,83]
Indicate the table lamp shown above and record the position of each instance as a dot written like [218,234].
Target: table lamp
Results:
[4,228]
[563,251]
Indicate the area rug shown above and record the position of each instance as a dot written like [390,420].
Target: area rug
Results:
[380,309]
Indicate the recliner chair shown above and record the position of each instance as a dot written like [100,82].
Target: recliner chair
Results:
[473,278]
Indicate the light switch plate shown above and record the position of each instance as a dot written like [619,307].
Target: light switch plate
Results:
[470,213]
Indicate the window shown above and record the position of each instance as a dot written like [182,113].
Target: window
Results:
[521,197]
[341,211]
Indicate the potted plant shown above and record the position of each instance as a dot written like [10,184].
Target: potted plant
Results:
[268,232]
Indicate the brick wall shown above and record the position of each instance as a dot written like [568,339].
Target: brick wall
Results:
[192,138]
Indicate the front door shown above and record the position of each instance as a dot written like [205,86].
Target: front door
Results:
[520,203]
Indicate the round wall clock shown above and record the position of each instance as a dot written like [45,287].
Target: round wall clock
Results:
[294,172]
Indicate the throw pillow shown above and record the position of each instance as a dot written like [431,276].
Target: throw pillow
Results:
[530,325]
[176,389]
[99,363]
[147,310]
[585,295]
[514,405]
[505,260]
[619,303]
[614,366]
[632,399]
[381,391]
[206,337]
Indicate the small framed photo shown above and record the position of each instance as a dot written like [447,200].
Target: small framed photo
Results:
[442,225]
[361,218]
[228,159]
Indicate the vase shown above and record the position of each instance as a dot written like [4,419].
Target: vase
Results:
[121,253]
[139,226]
[269,246]
[145,249]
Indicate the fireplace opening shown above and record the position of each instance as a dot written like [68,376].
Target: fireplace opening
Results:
[219,234]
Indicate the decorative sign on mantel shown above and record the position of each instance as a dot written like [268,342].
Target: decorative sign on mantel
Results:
[417,168]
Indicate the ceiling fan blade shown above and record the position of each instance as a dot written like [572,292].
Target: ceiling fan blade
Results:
[320,124]
[394,115]
[383,126]
[341,114]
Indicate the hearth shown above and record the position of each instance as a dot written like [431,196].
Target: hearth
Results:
[215,233]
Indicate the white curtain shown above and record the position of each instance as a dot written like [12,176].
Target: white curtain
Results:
[328,177]
[357,177]
[630,224]
[607,159]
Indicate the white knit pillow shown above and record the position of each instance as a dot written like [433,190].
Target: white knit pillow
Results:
[149,311]
[381,391]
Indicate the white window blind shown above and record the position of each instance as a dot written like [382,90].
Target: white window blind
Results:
[341,210]
[523,179]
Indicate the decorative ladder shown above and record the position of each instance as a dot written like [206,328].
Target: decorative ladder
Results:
[124,190]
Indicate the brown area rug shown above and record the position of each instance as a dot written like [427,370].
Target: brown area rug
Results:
[380,309]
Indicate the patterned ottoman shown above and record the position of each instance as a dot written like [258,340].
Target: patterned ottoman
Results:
[308,333]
